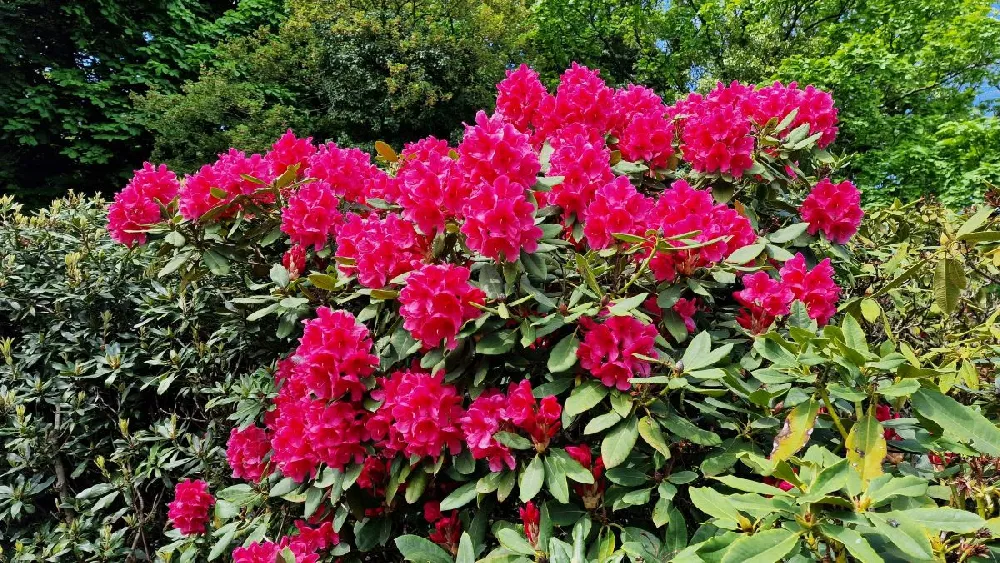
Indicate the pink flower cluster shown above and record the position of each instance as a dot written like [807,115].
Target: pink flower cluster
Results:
[138,205]
[289,151]
[608,350]
[500,221]
[492,412]
[311,216]
[766,298]
[580,156]
[617,208]
[419,415]
[682,209]
[333,355]
[349,172]
[304,545]
[188,512]
[431,188]
[247,452]
[834,209]
[219,183]
[437,300]
[814,108]
[378,249]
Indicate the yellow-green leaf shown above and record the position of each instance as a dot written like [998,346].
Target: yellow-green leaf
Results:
[796,431]
[866,447]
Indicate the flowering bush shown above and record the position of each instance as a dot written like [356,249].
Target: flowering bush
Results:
[545,349]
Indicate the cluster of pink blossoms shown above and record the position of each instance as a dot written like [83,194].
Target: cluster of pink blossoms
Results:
[138,205]
[617,208]
[766,298]
[492,412]
[304,546]
[834,209]
[379,249]
[682,209]
[188,512]
[419,415]
[609,349]
[437,300]
[247,452]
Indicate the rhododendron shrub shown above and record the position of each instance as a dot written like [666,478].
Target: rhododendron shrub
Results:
[600,328]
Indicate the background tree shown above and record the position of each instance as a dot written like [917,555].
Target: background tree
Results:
[69,68]
[347,71]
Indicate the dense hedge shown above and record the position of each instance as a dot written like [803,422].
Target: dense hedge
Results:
[523,365]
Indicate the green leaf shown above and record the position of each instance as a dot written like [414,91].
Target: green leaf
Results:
[649,429]
[870,310]
[95,491]
[796,430]
[701,345]
[514,541]
[959,422]
[949,281]
[687,430]
[904,533]
[324,281]
[746,253]
[570,467]
[460,496]
[220,546]
[512,440]
[602,423]
[585,397]
[466,553]
[619,442]
[854,335]
[944,518]
[715,504]
[624,306]
[172,266]
[421,550]
[856,545]
[555,479]
[973,223]
[788,233]
[563,355]
[279,275]
[531,479]
[887,487]
[217,263]
[768,546]
[866,447]
[175,239]
[283,487]
[588,275]
[746,485]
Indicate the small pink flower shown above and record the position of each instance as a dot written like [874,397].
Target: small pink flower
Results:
[333,356]
[419,415]
[518,97]
[349,172]
[580,156]
[493,148]
[530,517]
[381,248]
[482,420]
[189,510]
[288,151]
[219,183]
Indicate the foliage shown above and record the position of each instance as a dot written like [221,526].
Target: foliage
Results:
[740,429]
[104,385]
[347,71]
[69,70]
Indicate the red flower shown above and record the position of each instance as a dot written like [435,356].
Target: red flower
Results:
[616,208]
[334,354]
[437,301]
[189,510]
[608,350]
[311,216]
[814,288]
[682,209]
[648,138]
[834,209]
[884,413]
[518,97]
[419,415]
[137,206]
[294,260]
[349,172]
[287,151]
[448,532]
[592,493]
[686,309]
[531,517]
[580,156]
[815,108]
[481,422]
[493,148]
[257,552]
[227,178]
[246,452]
[431,188]
[381,249]
[500,221]
[716,134]
[432,511]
